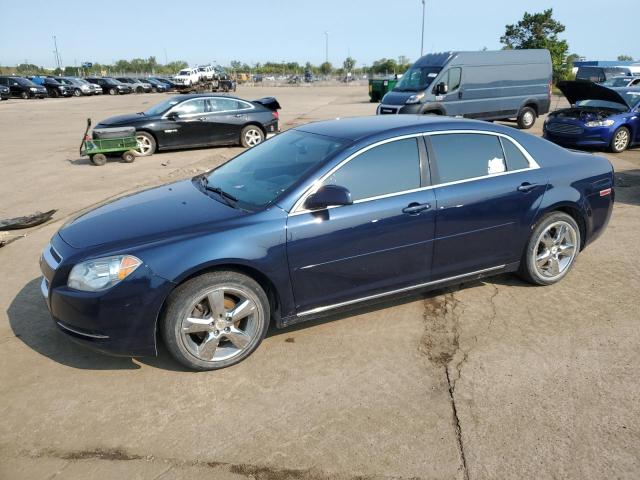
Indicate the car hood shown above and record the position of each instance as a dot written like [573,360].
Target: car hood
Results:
[121,120]
[172,209]
[583,90]
[396,98]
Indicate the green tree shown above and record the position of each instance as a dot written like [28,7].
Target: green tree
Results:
[28,69]
[326,68]
[539,30]
[348,64]
[625,58]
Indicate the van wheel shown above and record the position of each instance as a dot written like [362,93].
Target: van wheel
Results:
[526,118]
[215,320]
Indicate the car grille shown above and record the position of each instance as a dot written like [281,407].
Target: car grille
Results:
[564,129]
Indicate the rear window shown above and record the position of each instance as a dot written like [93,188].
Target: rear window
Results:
[461,156]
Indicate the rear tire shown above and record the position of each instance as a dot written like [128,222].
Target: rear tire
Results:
[212,299]
[129,156]
[98,159]
[620,140]
[526,118]
[551,250]
[251,135]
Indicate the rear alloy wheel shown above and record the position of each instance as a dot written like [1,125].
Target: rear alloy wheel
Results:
[146,144]
[620,141]
[526,118]
[551,250]
[251,136]
[215,320]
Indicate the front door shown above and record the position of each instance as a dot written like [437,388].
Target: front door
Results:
[487,193]
[382,242]
[190,129]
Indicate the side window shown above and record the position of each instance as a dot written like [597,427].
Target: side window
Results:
[460,156]
[223,104]
[453,81]
[388,168]
[515,158]
[191,106]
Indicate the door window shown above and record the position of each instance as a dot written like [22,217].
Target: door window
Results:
[460,156]
[223,104]
[190,107]
[514,156]
[453,79]
[388,168]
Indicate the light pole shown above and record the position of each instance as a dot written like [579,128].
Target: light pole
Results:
[422,38]
[326,47]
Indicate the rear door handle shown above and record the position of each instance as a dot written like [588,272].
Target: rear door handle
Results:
[416,208]
[460,94]
[527,187]
[202,119]
[240,115]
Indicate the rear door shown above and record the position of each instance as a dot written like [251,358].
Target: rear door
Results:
[382,242]
[226,118]
[487,191]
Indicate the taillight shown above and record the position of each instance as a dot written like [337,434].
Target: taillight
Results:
[276,115]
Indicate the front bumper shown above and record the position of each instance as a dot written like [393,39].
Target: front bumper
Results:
[412,108]
[118,321]
[588,137]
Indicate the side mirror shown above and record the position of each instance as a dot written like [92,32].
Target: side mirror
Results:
[328,196]
[173,116]
[441,88]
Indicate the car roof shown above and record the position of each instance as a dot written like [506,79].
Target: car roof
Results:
[207,95]
[357,128]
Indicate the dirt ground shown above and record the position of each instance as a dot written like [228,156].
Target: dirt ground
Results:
[491,380]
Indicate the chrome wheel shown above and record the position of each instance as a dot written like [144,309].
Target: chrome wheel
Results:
[555,250]
[528,118]
[222,324]
[145,147]
[621,140]
[252,137]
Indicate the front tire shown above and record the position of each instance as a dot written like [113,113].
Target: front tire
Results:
[24,95]
[551,250]
[215,320]
[620,140]
[526,118]
[146,144]
[251,135]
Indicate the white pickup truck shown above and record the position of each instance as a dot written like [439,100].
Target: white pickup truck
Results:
[187,77]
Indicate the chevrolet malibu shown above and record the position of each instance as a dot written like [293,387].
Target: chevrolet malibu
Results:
[323,217]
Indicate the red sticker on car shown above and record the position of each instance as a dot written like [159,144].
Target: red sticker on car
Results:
[605,192]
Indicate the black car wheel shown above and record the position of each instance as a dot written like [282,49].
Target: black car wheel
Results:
[146,144]
[24,95]
[54,94]
[526,118]
[251,135]
[113,91]
[139,90]
[620,140]
[215,320]
[551,250]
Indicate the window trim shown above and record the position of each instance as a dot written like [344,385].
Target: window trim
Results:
[298,208]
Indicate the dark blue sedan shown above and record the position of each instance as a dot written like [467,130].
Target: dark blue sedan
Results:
[599,117]
[322,217]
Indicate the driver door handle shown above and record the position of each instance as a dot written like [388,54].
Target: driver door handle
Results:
[415,208]
[527,187]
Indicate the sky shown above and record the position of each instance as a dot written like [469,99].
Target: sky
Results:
[199,31]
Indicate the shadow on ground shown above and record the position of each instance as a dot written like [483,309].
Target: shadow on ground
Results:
[32,324]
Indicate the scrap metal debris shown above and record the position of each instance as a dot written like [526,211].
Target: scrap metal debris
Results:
[27,221]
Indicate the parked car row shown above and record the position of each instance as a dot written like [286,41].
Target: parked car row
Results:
[37,86]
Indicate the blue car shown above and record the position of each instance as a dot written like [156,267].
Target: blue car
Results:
[599,117]
[323,217]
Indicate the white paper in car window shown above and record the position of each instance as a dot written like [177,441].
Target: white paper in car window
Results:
[495,165]
[431,75]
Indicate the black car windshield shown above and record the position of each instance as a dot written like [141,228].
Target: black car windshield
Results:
[25,82]
[261,174]
[162,107]
[417,79]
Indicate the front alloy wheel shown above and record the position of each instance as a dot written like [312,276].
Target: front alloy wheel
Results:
[146,144]
[215,320]
[620,140]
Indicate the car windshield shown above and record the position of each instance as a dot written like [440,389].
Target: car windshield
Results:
[631,97]
[617,82]
[601,104]
[162,107]
[25,82]
[261,174]
[417,79]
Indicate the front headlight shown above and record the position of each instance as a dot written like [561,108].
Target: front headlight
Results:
[415,98]
[33,89]
[102,273]
[600,123]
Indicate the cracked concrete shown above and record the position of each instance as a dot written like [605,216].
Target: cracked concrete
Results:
[494,379]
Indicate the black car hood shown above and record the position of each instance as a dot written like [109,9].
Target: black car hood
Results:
[146,216]
[122,120]
[584,90]
[396,98]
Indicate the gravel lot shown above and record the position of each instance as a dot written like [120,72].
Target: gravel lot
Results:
[494,379]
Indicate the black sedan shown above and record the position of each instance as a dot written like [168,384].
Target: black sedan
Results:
[110,85]
[199,121]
